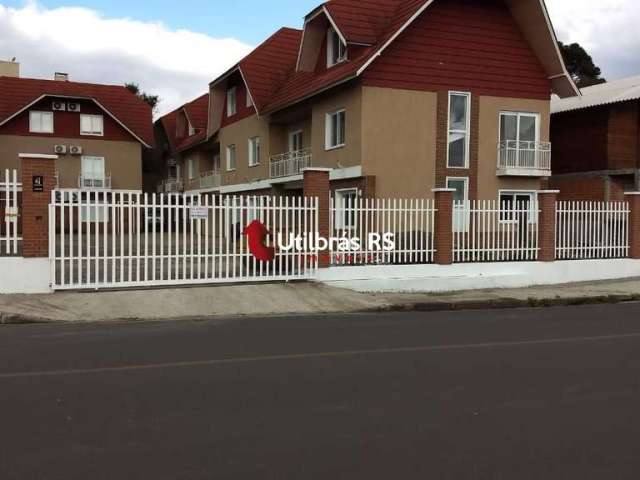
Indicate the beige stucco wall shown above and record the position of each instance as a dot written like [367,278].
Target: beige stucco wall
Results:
[123,160]
[490,107]
[349,99]
[238,134]
[203,163]
[399,141]
[279,142]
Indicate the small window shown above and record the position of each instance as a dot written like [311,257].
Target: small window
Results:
[254,151]
[460,185]
[231,102]
[249,103]
[336,49]
[295,141]
[459,126]
[41,122]
[192,131]
[191,167]
[231,157]
[346,203]
[91,125]
[335,130]
[516,206]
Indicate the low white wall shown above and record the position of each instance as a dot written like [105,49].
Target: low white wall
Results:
[475,276]
[24,275]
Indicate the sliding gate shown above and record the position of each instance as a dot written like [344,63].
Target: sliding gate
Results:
[108,239]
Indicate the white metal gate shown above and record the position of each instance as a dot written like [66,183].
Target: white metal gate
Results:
[115,239]
[10,239]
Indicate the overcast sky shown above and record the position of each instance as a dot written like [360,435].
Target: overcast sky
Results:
[174,49]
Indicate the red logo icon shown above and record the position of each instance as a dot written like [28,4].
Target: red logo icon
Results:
[257,235]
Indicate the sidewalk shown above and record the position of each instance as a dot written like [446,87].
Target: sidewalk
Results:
[283,299]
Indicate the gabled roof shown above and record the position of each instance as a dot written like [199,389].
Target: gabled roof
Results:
[623,90]
[266,68]
[374,25]
[132,113]
[364,21]
[197,112]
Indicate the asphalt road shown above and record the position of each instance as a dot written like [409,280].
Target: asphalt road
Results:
[517,394]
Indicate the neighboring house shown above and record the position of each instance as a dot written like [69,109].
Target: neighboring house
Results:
[98,132]
[596,141]
[396,97]
[189,161]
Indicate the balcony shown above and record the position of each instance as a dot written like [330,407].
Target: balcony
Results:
[170,185]
[210,179]
[94,182]
[289,164]
[524,159]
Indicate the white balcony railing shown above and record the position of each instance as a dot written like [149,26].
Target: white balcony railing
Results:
[290,163]
[94,182]
[524,158]
[210,179]
[172,185]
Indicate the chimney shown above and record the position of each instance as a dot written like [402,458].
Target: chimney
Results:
[9,69]
[61,77]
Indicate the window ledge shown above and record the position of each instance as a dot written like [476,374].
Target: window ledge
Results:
[337,147]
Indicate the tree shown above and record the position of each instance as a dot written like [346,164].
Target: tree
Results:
[152,100]
[580,65]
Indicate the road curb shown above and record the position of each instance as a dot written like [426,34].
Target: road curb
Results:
[416,306]
[506,303]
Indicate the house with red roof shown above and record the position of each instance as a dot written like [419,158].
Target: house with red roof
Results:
[187,153]
[396,98]
[96,134]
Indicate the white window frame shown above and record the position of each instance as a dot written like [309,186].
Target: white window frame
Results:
[249,101]
[467,132]
[230,149]
[518,115]
[533,199]
[96,121]
[328,130]
[294,134]
[232,102]
[191,168]
[340,207]
[342,49]
[37,117]
[461,219]
[254,145]
[192,131]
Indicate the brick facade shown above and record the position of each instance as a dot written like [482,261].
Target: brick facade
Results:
[35,206]
[316,184]
[547,225]
[443,226]
[634,224]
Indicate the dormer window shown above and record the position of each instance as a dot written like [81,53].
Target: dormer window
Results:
[192,131]
[231,102]
[336,49]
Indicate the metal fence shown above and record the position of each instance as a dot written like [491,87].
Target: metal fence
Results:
[10,238]
[408,222]
[488,231]
[590,230]
[125,239]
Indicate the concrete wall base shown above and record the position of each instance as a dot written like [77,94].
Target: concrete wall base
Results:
[475,276]
[25,275]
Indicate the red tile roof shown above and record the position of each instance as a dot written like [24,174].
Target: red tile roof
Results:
[198,114]
[301,85]
[362,21]
[268,66]
[134,114]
